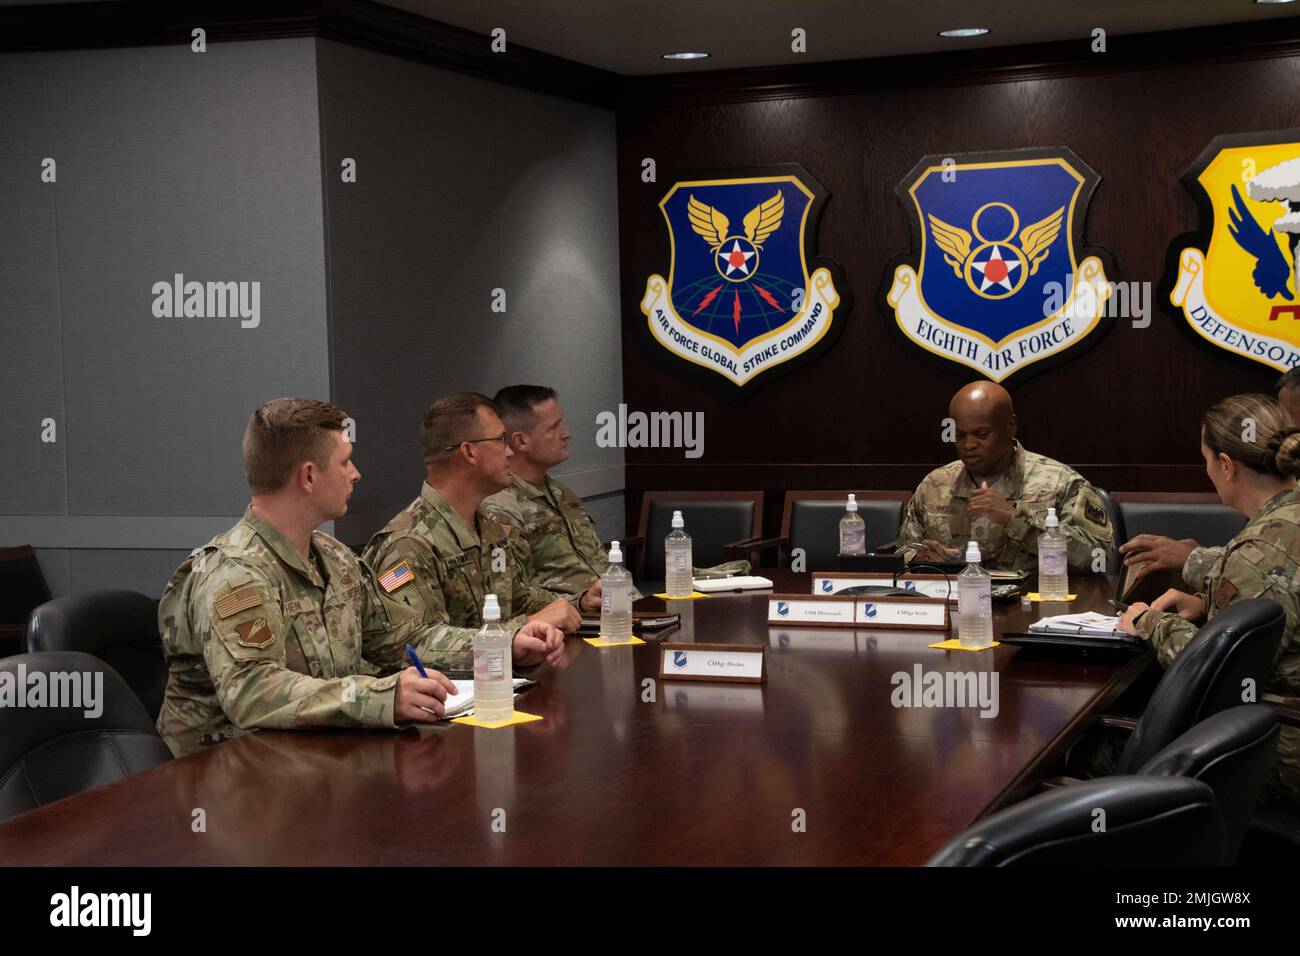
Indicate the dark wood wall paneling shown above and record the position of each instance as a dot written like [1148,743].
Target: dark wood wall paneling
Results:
[867,414]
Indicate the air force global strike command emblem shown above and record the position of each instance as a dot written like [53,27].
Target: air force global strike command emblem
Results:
[999,280]
[743,296]
[1235,280]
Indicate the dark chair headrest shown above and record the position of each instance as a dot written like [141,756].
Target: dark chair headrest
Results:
[1114,821]
[92,621]
[1218,740]
[94,696]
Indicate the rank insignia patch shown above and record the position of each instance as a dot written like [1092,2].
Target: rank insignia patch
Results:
[999,279]
[744,295]
[1235,280]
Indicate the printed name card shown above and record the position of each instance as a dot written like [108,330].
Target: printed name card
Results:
[859,610]
[744,663]
[927,585]
[923,612]
[806,609]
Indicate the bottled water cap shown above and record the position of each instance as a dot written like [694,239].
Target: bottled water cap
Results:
[615,552]
[677,520]
[973,552]
[491,609]
[853,502]
[1052,520]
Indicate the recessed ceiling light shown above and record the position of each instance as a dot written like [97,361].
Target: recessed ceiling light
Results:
[963,32]
[685,56]
[1275,1]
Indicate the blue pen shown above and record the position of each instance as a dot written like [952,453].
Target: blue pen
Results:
[410,652]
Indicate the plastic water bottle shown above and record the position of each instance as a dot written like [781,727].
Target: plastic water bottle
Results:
[1053,579]
[616,598]
[853,530]
[678,565]
[494,691]
[974,601]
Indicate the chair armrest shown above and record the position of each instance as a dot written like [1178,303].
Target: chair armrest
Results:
[1122,725]
[751,547]
[1287,715]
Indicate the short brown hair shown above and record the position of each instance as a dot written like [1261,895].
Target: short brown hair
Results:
[1276,446]
[284,433]
[449,421]
[517,405]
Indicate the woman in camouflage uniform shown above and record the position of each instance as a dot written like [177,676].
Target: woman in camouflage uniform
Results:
[1252,457]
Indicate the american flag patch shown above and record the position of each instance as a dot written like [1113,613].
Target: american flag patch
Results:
[396,577]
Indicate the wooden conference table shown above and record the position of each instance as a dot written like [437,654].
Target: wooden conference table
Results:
[705,774]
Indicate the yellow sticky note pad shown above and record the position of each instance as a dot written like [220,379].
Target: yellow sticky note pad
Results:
[1035,596]
[694,595]
[518,717]
[953,644]
[601,642]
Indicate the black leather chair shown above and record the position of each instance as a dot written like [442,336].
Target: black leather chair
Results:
[118,627]
[717,521]
[1209,675]
[1203,518]
[1232,752]
[1149,821]
[811,521]
[48,753]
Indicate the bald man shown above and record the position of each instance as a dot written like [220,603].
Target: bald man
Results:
[997,493]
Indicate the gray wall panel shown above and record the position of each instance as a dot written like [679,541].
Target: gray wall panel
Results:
[143,571]
[32,472]
[463,186]
[205,165]
[607,512]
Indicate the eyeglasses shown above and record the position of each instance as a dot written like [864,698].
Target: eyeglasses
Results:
[503,438]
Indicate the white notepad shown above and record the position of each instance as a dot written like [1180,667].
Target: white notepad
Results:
[1087,622]
[740,583]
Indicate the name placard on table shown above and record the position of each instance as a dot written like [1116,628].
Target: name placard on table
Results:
[743,663]
[890,611]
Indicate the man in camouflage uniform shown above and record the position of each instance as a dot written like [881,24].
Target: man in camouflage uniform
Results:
[998,494]
[443,553]
[1263,560]
[273,624]
[550,531]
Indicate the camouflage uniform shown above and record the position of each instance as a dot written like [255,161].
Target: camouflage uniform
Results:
[551,534]
[1197,567]
[257,636]
[1032,484]
[1263,560]
[452,570]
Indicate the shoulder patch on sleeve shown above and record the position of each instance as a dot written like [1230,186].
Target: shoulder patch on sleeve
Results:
[1094,512]
[240,599]
[254,633]
[1224,593]
[396,577]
